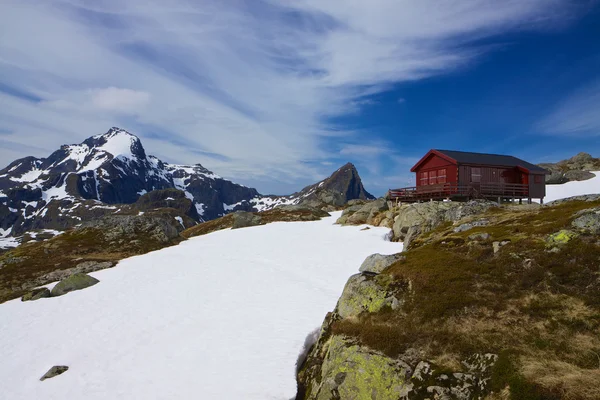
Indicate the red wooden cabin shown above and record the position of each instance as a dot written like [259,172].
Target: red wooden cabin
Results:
[448,174]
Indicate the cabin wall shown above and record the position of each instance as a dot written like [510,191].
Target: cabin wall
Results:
[537,186]
[488,174]
[436,163]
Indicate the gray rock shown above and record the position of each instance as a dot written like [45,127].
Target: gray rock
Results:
[497,245]
[76,281]
[366,293]
[588,222]
[376,263]
[243,219]
[411,234]
[36,294]
[578,176]
[470,225]
[479,236]
[54,371]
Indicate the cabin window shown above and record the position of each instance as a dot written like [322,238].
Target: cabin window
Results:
[537,178]
[475,174]
[424,178]
[441,176]
[432,177]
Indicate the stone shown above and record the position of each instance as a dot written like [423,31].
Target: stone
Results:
[74,282]
[36,294]
[470,225]
[350,371]
[54,371]
[588,222]
[376,263]
[479,236]
[411,234]
[561,237]
[497,245]
[366,293]
[243,219]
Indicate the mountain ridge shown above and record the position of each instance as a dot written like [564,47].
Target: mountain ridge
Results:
[114,169]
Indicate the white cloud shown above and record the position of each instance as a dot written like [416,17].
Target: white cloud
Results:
[119,99]
[577,115]
[246,88]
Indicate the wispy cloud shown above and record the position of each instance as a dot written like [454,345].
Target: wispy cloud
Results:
[577,115]
[246,87]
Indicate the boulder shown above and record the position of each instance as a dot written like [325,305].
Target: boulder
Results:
[376,263]
[588,221]
[351,371]
[54,371]
[76,281]
[561,237]
[36,294]
[367,293]
[243,219]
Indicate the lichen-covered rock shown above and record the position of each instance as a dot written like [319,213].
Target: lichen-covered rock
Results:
[368,293]
[74,282]
[376,263]
[364,213]
[561,237]
[54,371]
[243,219]
[36,294]
[588,221]
[353,372]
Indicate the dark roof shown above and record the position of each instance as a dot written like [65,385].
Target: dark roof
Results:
[464,157]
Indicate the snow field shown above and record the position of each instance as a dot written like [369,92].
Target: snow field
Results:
[575,188]
[222,316]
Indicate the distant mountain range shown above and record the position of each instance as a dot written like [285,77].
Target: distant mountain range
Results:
[92,179]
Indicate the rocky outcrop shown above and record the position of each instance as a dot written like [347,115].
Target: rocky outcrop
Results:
[575,168]
[376,263]
[588,221]
[243,219]
[364,213]
[339,367]
[74,282]
[119,227]
[414,219]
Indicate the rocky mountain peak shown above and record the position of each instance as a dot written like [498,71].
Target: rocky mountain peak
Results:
[346,181]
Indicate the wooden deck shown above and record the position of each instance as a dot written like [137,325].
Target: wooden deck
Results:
[453,191]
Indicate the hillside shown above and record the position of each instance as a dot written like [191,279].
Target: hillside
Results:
[485,302]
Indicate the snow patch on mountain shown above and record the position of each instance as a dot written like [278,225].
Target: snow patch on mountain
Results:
[573,188]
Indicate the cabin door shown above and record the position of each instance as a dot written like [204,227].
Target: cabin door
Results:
[524,178]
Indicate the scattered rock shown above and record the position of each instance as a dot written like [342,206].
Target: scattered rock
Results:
[74,282]
[366,228]
[36,294]
[243,219]
[376,263]
[479,236]
[54,371]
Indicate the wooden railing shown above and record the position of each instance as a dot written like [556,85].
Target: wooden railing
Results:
[452,190]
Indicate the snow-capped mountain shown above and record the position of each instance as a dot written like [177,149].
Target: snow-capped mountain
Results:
[60,191]
[111,168]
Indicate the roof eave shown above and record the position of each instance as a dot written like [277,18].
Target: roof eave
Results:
[430,152]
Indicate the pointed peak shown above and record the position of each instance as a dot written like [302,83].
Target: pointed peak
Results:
[117,142]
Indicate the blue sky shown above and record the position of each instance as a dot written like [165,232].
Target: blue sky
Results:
[277,94]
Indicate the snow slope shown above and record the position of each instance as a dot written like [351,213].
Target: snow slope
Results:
[575,188]
[222,316]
